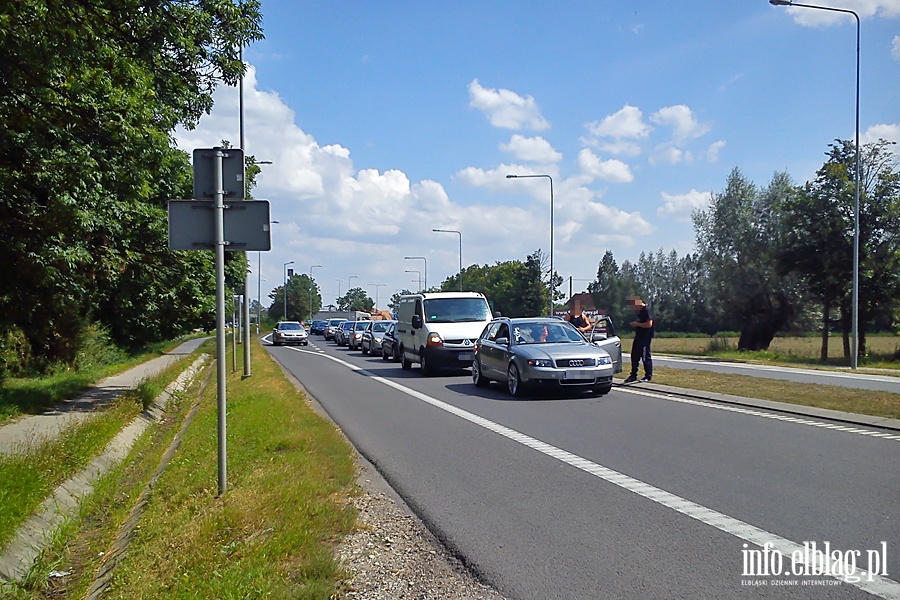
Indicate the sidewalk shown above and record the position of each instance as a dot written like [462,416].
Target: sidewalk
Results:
[31,431]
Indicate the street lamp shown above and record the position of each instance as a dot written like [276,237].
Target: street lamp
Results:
[425,277]
[552,290]
[284,273]
[310,288]
[854,348]
[419,273]
[460,251]
[259,281]
[377,285]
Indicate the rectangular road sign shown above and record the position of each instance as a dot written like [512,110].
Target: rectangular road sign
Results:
[192,225]
[232,173]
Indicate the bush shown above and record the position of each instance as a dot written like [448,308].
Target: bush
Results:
[718,344]
[15,353]
[96,349]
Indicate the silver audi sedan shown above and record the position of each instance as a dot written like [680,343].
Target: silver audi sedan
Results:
[530,352]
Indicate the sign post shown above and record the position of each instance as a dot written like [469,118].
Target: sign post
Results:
[212,221]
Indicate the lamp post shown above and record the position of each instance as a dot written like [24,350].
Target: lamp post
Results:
[284,289]
[550,280]
[425,276]
[854,348]
[419,274]
[338,297]
[310,288]
[460,251]
[259,281]
[348,291]
[377,285]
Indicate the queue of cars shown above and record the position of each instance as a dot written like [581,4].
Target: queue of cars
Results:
[456,330]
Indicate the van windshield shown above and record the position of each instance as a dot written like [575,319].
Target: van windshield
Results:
[456,310]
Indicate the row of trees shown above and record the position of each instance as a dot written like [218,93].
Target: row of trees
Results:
[92,90]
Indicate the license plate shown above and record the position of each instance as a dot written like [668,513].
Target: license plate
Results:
[578,374]
[466,356]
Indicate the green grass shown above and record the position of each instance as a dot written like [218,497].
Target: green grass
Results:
[272,534]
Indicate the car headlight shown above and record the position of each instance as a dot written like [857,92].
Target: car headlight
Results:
[540,362]
[604,360]
[378,340]
[434,339]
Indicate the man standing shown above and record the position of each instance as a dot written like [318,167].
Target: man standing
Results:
[643,334]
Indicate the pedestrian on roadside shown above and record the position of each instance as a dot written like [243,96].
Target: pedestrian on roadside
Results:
[577,318]
[643,335]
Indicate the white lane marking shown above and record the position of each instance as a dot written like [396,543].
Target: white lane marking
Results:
[778,369]
[872,583]
[763,414]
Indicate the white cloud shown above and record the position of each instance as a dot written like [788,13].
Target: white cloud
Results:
[668,154]
[895,47]
[506,109]
[532,149]
[712,153]
[617,133]
[681,119]
[613,170]
[884,131]
[680,206]
[864,8]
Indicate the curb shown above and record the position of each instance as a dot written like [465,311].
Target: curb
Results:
[783,407]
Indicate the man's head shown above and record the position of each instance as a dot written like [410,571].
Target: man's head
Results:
[635,302]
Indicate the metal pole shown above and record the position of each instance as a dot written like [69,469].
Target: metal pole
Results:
[310,289]
[460,251]
[425,275]
[284,288]
[258,289]
[854,348]
[220,315]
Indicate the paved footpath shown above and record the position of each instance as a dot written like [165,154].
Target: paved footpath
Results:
[28,432]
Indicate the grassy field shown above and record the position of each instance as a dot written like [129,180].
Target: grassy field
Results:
[272,534]
[883,351]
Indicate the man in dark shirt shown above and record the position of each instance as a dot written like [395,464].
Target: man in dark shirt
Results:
[643,334]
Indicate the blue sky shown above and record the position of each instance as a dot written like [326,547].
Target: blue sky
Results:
[385,120]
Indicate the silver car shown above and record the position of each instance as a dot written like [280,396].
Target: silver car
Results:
[539,351]
[373,335]
[289,332]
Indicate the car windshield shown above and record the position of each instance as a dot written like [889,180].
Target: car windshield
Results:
[347,326]
[378,327]
[456,310]
[361,325]
[285,326]
[545,333]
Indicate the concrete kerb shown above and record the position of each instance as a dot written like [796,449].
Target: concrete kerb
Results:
[35,535]
[782,407]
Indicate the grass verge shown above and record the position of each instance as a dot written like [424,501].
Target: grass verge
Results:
[880,404]
[270,535]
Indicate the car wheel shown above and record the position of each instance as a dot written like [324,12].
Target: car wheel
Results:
[364,350]
[384,355]
[602,390]
[405,363]
[395,353]
[514,381]
[276,343]
[425,364]
[477,378]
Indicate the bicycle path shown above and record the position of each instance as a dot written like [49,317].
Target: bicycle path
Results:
[26,433]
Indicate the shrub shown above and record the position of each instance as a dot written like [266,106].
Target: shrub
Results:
[15,352]
[96,349]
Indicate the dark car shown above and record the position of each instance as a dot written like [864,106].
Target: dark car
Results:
[342,333]
[317,326]
[390,345]
[372,336]
[525,353]
[289,332]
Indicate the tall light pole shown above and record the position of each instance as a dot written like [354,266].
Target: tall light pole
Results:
[338,297]
[425,276]
[550,281]
[310,288]
[854,348]
[348,290]
[419,274]
[377,285]
[284,289]
[259,281]
[460,251]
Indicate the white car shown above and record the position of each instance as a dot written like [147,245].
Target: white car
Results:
[289,332]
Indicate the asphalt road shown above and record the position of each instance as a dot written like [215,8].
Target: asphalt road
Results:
[631,495]
[862,381]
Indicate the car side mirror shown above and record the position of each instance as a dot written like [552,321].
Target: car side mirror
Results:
[502,341]
[416,322]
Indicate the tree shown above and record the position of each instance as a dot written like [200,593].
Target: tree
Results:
[300,290]
[394,303]
[356,299]
[91,91]
[739,238]
[819,224]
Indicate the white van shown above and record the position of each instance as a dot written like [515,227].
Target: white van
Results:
[439,329]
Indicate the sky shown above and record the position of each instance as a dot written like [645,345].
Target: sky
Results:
[386,120]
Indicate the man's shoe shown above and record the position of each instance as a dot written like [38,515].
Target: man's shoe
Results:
[630,379]
[645,380]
